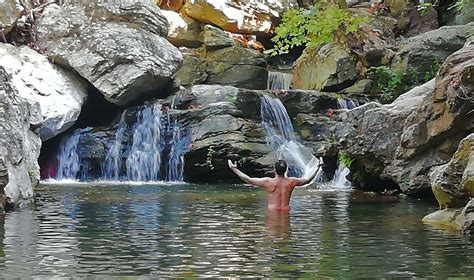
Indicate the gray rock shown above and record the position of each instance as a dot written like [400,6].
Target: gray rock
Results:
[9,13]
[215,38]
[237,66]
[120,49]
[19,145]
[193,71]
[328,68]
[420,54]
[404,140]
[60,93]
[452,182]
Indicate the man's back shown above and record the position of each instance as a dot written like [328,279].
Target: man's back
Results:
[279,192]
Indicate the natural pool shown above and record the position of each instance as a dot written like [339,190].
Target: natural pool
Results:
[195,231]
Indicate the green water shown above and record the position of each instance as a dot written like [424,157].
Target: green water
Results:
[224,231]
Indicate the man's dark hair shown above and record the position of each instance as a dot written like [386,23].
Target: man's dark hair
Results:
[281,167]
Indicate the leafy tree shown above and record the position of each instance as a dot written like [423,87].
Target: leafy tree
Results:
[321,24]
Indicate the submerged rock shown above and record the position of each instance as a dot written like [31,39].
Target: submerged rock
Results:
[59,93]
[19,145]
[404,140]
[120,49]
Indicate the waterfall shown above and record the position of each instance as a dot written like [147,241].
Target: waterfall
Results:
[339,180]
[279,80]
[155,151]
[179,146]
[281,136]
[69,165]
[144,161]
[113,163]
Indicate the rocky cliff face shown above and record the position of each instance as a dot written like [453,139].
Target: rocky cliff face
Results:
[404,140]
[20,121]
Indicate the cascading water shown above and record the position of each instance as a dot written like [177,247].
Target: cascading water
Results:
[339,180]
[279,80]
[144,161]
[113,161]
[179,146]
[69,165]
[281,136]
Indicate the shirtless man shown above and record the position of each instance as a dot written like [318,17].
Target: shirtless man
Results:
[280,187]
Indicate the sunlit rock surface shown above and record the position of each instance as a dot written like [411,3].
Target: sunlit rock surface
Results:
[452,183]
[120,49]
[404,140]
[248,17]
[19,144]
[183,31]
[9,13]
[328,68]
[459,219]
[59,93]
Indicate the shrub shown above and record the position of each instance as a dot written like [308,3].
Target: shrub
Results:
[314,27]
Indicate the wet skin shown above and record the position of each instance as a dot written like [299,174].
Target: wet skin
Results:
[279,188]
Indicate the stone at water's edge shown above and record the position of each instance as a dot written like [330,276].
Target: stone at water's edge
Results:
[119,49]
[9,13]
[59,93]
[421,54]
[328,68]
[460,219]
[19,144]
[452,182]
[404,140]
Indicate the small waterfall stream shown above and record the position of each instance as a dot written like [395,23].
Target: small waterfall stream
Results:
[339,180]
[279,80]
[68,158]
[281,136]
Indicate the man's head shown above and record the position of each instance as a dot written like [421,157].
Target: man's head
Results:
[281,167]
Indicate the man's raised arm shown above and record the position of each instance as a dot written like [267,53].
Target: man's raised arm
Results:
[259,182]
[307,179]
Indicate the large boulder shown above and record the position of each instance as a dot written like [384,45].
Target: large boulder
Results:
[9,13]
[452,183]
[404,140]
[420,54]
[119,48]
[193,71]
[60,93]
[413,20]
[237,66]
[328,68]
[19,145]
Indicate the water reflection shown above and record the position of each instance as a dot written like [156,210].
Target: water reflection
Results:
[198,231]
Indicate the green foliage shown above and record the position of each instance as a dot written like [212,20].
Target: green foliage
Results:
[346,160]
[460,5]
[210,156]
[433,70]
[314,27]
[387,82]
[423,8]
